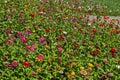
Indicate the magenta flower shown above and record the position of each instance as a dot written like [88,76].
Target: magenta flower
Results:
[28,32]
[8,31]
[31,48]
[9,42]
[23,39]
[21,19]
[41,56]
[60,49]
[14,63]
[41,40]
[11,14]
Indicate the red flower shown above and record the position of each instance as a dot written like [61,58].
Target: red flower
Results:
[75,46]
[32,15]
[47,30]
[62,37]
[95,52]
[26,64]
[60,30]
[94,31]
[113,50]
[114,55]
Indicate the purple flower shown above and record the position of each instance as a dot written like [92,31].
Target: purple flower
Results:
[14,63]
[11,14]
[28,32]
[21,19]
[73,40]
[8,31]
[8,65]
[41,40]
[74,19]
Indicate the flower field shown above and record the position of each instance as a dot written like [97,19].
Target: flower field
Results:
[56,40]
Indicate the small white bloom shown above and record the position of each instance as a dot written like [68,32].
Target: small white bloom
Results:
[64,32]
[118,66]
[5,1]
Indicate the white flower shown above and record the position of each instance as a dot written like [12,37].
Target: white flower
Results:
[64,32]
[118,66]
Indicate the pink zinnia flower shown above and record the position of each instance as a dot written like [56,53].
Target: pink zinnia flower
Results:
[41,40]
[31,48]
[105,60]
[21,19]
[83,72]
[9,42]
[23,39]
[110,74]
[14,63]
[58,43]
[33,73]
[104,77]
[113,50]
[41,56]
[28,32]
[8,31]
[60,49]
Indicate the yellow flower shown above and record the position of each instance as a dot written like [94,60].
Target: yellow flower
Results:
[90,64]
[82,68]
[47,47]
[33,31]
[37,60]
[72,73]
[38,70]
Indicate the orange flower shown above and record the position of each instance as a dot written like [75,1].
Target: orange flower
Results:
[83,72]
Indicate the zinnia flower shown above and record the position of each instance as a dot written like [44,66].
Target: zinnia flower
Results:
[113,50]
[8,31]
[23,39]
[72,73]
[90,64]
[60,49]
[104,77]
[32,15]
[83,72]
[41,56]
[38,70]
[110,74]
[26,64]
[14,63]
[47,30]
[41,40]
[31,48]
